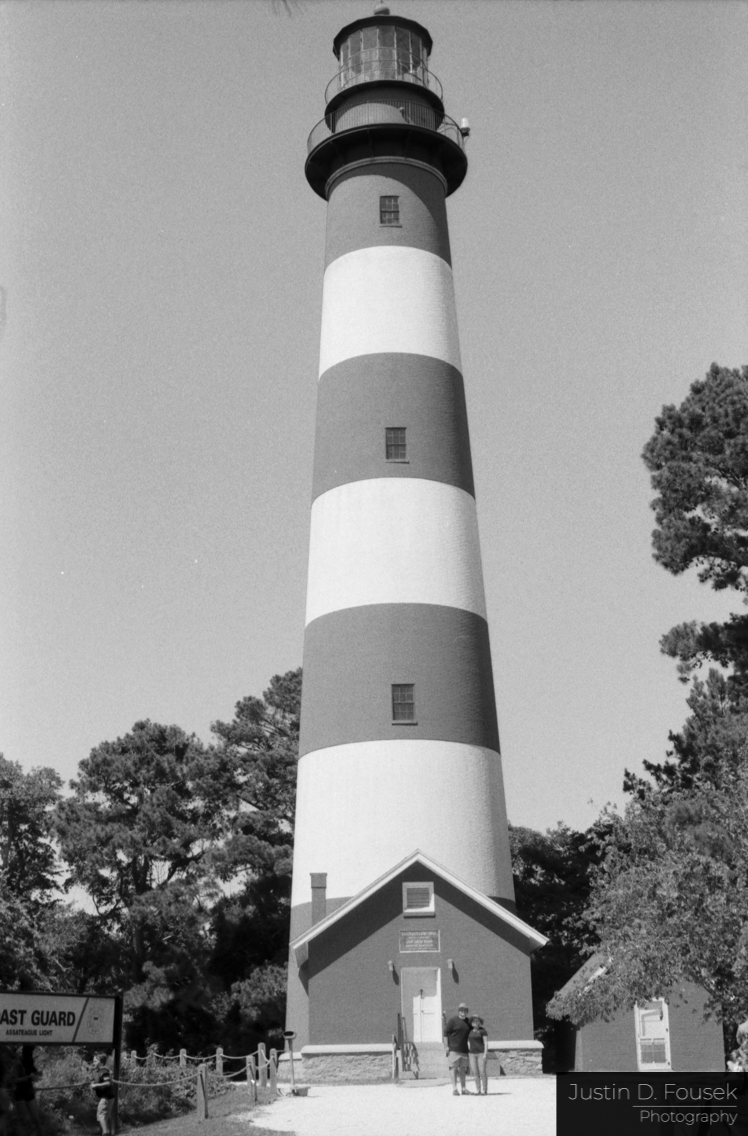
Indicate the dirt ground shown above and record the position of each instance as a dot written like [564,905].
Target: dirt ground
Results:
[514,1106]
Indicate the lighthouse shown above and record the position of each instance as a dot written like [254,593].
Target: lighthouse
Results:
[402,899]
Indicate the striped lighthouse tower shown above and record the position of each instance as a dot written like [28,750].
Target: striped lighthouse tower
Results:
[399,754]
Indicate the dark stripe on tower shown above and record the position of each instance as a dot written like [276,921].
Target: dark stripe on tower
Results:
[353,210]
[352,657]
[359,398]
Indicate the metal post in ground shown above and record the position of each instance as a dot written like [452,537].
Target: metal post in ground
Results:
[202,1093]
[262,1065]
[251,1082]
[182,1058]
[219,1061]
[274,1073]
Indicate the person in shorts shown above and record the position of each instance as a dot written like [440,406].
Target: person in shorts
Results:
[478,1054]
[104,1089]
[456,1033]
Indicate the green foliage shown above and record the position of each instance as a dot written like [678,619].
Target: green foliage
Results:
[24,964]
[147,1094]
[137,820]
[28,872]
[552,877]
[156,823]
[137,833]
[260,748]
[698,458]
[711,745]
[669,901]
[28,865]
[262,998]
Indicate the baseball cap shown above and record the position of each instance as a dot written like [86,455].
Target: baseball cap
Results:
[463,1006]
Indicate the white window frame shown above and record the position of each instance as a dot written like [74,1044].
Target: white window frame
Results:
[653,1066]
[416,911]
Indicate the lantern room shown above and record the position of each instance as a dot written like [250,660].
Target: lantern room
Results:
[382,49]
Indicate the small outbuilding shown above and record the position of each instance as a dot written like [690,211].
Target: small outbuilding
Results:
[661,1035]
[382,970]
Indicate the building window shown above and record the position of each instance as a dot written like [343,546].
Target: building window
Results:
[389,210]
[395,446]
[403,703]
[418,899]
[652,1035]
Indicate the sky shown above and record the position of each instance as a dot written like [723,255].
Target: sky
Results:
[162,257]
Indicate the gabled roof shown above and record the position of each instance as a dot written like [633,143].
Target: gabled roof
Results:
[300,945]
[595,965]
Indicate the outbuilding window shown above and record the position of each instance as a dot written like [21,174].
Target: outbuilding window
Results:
[418,899]
[652,1035]
[389,210]
[403,702]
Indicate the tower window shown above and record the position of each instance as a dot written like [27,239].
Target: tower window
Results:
[396,448]
[403,703]
[389,210]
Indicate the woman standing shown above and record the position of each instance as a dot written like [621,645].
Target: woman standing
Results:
[478,1054]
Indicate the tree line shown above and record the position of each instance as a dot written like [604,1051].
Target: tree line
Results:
[183,850]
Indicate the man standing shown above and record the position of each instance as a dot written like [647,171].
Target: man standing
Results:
[104,1089]
[456,1039]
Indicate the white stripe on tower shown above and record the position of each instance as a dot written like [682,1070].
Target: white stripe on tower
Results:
[388,298]
[434,557]
[446,780]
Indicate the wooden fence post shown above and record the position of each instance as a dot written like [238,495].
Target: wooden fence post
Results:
[274,1072]
[262,1065]
[251,1082]
[202,1093]
[219,1061]
[182,1058]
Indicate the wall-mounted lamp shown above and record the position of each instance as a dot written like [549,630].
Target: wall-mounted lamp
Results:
[391,966]
[451,966]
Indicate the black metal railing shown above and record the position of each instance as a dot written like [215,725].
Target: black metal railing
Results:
[385,112]
[381,64]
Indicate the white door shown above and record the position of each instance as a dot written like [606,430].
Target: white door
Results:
[652,1035]
[422,1003]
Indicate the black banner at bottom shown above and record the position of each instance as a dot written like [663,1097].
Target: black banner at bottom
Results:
[652,1104]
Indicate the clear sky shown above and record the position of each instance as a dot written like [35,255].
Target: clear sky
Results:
[162,256]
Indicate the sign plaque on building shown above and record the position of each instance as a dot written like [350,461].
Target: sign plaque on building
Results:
[414,942]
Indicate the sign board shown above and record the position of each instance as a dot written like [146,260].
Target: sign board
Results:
[414,942]
[57,1019]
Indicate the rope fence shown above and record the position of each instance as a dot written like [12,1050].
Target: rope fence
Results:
[259,1069]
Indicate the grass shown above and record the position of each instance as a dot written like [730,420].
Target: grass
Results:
[219,1123]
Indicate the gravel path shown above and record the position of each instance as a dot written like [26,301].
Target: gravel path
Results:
[514,1107]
